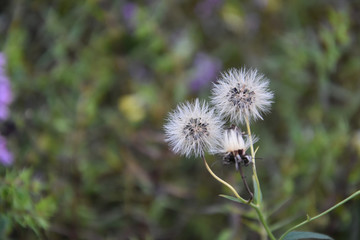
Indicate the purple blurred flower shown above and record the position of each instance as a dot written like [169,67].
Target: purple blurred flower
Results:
[206,8]
[128,12]
[6,157]
[2,60]
[206,69]
[5,90]
[4,112]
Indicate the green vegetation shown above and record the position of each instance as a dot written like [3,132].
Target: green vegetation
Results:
[93,82]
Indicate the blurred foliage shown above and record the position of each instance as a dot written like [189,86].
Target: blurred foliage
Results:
[94,80]
[22,203]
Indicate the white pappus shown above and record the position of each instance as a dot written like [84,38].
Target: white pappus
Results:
[233,146]
[193,128]
[241,94]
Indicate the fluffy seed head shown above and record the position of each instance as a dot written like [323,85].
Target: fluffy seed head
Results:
[233,140]
[241,94]
[193,128]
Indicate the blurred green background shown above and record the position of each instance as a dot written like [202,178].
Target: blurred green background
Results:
[94,80]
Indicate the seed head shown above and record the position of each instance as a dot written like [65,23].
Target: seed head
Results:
[241,94]
[193,128]
[234,140]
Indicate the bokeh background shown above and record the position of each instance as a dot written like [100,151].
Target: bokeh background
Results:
[92,82]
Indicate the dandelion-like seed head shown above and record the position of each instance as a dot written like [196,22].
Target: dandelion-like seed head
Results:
[241,94]
[234,140]
[233,147]
[193,128]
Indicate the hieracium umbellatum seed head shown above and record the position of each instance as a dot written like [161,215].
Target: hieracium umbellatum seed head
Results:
[193,128]
[242,94]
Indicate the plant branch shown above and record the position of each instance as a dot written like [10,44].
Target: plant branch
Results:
[263,221]
[309,219]
[255,177]
[245,183]
[256,207]
[223,182]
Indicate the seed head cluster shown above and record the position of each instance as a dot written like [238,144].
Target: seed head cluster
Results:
[194,128]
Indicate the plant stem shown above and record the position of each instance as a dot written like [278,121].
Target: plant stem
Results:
[255,177]
[309,219]
[245,184]
[263,221]
[223,182]
[255,206]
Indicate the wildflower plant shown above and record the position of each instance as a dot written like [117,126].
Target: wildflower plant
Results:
[6,97]
[193,128]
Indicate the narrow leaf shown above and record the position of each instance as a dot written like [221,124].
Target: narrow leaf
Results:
[306,235]
[231,198]
[257,192]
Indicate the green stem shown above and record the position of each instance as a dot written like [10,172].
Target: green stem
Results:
[263,221]
[223,182]
[309,219]
[255,177]
[257,206]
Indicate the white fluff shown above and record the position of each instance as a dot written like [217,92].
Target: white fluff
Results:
[241,94]
[193,128]
[232,141]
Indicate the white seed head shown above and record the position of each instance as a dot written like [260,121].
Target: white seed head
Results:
[193,128]
[233,140]
[241,94]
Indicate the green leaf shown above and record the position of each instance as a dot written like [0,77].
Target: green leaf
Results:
[305,235]
[46,207]
[231,198]
[257,192]
[225,235]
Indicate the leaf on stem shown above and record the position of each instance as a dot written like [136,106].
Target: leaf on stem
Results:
[231,198]
[257,192]
[306,235]
[256,150]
